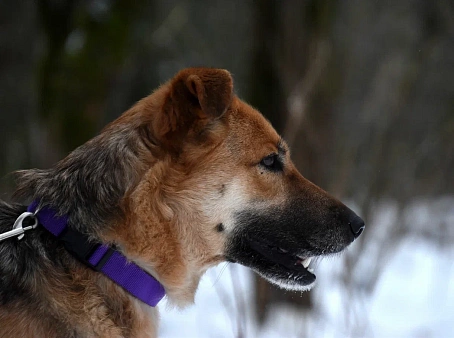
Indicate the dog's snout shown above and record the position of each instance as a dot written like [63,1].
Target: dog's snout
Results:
[356,224]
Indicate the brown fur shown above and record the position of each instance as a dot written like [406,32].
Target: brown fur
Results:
[192,160]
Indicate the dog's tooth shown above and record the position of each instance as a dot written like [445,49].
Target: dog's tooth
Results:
[310,270]
[307,261]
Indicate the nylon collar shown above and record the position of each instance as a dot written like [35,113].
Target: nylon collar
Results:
[100,257]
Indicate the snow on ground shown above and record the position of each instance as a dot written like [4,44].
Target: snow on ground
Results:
[414,297]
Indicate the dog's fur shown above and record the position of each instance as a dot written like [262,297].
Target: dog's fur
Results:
[189,177]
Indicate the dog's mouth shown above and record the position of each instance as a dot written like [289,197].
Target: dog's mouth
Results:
[276,263]
[280,244]
[289,267]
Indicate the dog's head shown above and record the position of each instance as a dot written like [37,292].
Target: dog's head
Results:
[220,185]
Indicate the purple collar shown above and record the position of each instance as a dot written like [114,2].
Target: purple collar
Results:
[101,257]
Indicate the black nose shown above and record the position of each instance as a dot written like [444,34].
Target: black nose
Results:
[356,225]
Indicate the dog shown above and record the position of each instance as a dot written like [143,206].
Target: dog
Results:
[189,177]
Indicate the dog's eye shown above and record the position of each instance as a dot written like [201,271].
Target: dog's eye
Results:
[272,162]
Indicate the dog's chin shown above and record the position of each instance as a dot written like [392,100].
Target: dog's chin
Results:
[288,284]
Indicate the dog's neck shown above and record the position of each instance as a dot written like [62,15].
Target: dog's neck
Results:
[150,217]
[89,186]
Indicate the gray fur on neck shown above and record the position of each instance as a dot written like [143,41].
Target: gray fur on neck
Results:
[91,182]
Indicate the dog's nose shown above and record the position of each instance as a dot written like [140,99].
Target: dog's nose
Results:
[356,224]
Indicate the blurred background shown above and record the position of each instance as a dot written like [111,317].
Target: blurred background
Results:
[363,92]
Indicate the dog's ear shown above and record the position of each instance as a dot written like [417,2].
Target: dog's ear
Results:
[194,97]
[213,89]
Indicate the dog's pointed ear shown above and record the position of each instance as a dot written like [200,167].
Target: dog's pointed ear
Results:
[193,98]
[213,89]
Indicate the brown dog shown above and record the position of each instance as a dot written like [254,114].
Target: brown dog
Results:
[189,177]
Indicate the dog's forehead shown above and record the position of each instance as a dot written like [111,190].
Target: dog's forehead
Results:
[249,126]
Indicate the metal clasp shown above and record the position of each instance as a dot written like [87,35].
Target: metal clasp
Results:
[18,228]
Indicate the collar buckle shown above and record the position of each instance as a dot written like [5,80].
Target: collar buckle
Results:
[81,247]
[18,228]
